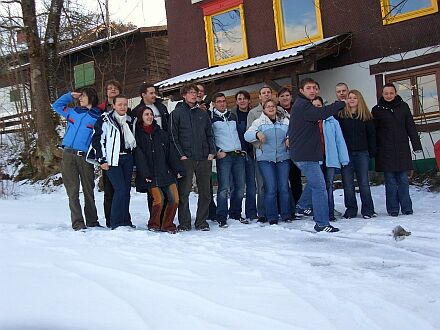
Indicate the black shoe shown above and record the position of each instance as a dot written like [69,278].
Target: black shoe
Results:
[244,221]
[222,224]
[154,229]
[348,216]
[262,220]
[98,225]
[203,228]
[328,229]
[408,212]
[183,228]
[366,216]
[332,219]
[394,214]
[273,222]
[288,220]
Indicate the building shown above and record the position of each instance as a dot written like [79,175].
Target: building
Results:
[232,44]
[131,57]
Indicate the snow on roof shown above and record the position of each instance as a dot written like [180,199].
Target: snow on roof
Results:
[116,36]
[207,72]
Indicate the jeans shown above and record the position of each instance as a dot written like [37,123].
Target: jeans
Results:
[251,188]
[305,202]
[120,178]
[397,192]
[276,182]
[261,201]
[316,184]
[359,161]
[230,165]
[329,175]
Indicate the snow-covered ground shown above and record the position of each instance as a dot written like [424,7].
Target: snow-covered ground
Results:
[243,277]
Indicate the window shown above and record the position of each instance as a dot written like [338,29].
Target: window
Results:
[84,74]
[297,22]
[394,11]
[225,32]
[420,89]
[14,95]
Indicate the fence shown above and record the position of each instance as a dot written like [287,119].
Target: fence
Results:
[14,123]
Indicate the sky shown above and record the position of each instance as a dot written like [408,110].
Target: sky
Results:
[139,12]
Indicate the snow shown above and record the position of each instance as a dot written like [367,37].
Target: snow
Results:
[243,277]
[208,72]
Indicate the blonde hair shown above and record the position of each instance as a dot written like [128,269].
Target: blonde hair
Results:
[362,111]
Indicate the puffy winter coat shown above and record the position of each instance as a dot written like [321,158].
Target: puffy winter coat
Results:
[336,153]
[191,132]
[80,123]
[274,148]
[156,159]
[304,135]
[106,142]
[394,124]
[359,135]
[225,131]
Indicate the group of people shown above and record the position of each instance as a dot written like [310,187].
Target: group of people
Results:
[260,154]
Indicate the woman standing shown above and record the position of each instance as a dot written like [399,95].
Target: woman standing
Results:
[394,124]
[360,136]
[113,142]
[270,133]
[158,166]
[76,142]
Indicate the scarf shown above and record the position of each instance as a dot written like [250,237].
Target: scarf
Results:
[222,115]
[148,129]
[129,140]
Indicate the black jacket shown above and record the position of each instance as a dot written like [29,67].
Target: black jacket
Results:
[156,159]
[191,132]
[359,135]
[165,116]
[304,136]
[394,124]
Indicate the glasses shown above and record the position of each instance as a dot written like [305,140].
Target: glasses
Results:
[193,92]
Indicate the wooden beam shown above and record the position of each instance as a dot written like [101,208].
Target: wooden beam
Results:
[404,64]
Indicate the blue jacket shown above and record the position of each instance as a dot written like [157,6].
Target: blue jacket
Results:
[225,131]
[274,148]
[336,152]
[80,123]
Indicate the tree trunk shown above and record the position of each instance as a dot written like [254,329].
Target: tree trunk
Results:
[44,160]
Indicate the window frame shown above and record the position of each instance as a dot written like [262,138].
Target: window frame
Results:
[279,27]
[412,75]
[82,67]
[391,19]
[217,8]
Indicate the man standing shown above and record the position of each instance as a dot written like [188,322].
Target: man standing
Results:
[306,149]
[230,161]
[149,99]
[341,91]
[264,95]
[243,101]
[191,133]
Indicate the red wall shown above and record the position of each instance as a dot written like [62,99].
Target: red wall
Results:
[371,39]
